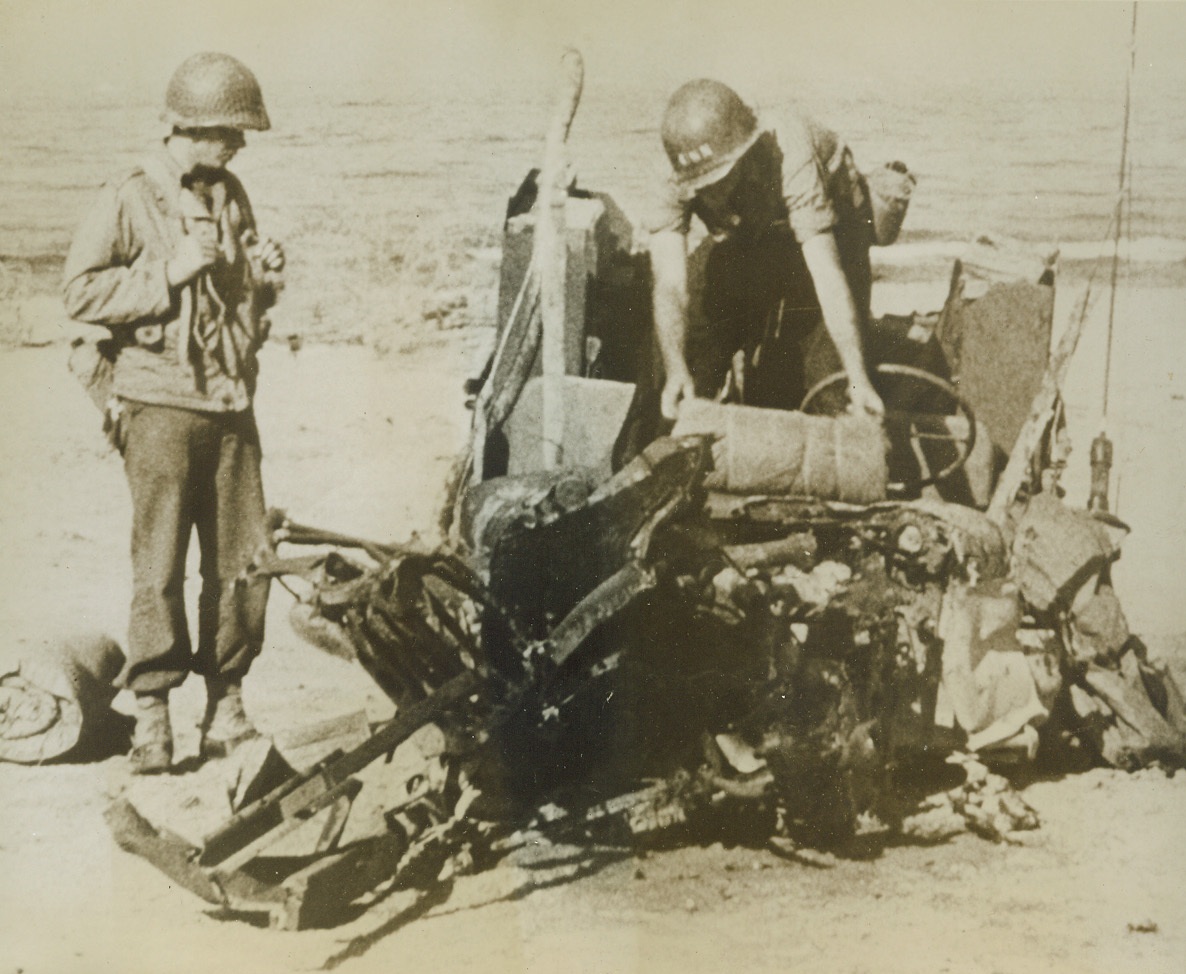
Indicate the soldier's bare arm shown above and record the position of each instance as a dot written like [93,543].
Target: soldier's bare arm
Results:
[669,267]
[840,318]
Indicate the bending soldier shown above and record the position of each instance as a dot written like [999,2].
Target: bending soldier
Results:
[786,277]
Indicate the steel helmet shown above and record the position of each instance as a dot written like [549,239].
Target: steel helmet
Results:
[211,90]
[706,129]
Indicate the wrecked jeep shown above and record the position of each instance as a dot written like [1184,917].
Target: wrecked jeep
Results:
[762,625]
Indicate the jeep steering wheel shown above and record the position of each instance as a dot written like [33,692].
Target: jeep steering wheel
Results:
[963,440]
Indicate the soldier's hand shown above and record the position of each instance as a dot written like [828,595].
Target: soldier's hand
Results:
[271,255]
[864,400]
[676,390]
[194,254]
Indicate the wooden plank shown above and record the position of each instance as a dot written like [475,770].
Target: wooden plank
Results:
[171,854]
[297,817]
[307,792]
[304,746]
[318,894]
[335,823]
[551,253]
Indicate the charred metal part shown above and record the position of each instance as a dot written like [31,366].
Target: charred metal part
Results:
[748,789]
[540,571]
[170,853]
[490,507]
[798,549]
[280,528]
[612,628]
[223,868]
[606,601]
[255,826]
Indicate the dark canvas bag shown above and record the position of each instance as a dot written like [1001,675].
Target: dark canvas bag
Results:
[92,362]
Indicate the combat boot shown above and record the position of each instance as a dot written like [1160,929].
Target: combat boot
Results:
[226,724]
[152,740]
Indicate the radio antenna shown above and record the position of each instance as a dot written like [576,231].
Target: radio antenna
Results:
[1101,446]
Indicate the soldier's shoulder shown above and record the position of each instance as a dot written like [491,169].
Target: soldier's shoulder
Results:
[129,183]
[791,124]
[799,133]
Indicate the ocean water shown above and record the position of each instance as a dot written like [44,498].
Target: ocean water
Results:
[383,203]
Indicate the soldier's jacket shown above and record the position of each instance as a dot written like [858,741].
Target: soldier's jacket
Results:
[192,347]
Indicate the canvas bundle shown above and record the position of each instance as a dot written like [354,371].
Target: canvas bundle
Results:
[772,451]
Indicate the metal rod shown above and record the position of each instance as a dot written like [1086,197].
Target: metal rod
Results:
[1101,446]
[1118,224]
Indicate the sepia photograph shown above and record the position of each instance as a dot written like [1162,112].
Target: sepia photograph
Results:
[524,487]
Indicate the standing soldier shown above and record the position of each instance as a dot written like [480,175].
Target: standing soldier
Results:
[786,287]
[168,259]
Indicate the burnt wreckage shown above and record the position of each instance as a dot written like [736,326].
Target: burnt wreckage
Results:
[758,624]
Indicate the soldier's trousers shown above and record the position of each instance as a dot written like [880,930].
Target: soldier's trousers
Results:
[190,470]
